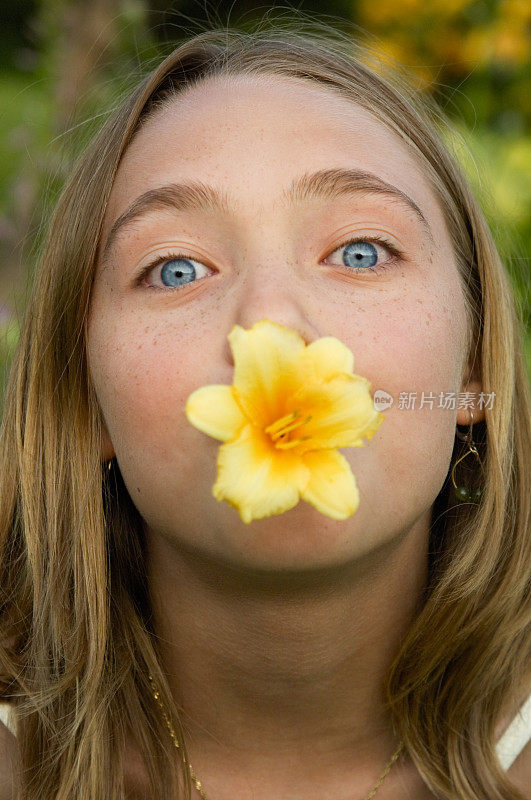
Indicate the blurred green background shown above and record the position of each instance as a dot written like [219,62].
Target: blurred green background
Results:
[65,63]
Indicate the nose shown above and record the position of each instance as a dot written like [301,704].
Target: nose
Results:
[274,291]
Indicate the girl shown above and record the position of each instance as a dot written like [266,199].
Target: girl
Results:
[153,643]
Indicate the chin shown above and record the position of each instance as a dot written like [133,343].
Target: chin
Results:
[301,539]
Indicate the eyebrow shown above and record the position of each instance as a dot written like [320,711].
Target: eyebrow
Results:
[327,184]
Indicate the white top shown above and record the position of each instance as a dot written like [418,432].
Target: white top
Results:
[508,747]
[516,736]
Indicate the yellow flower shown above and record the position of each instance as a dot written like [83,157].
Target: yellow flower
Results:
[290,406]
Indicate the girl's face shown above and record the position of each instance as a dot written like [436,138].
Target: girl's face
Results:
[266,250]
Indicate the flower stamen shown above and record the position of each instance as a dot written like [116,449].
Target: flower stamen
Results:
[280,423]
[284,425]
[294,443]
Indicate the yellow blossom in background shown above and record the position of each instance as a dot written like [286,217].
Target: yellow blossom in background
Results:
[448,38]
[511,43]
[290,407]
[388,10]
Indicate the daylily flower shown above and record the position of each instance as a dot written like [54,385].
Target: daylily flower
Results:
[290,407]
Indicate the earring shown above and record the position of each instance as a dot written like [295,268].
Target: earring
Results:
[108,472]
[462,492]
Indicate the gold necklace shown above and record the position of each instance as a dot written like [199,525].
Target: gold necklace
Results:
[197,782]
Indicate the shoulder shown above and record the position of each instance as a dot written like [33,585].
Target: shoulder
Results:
[8,759]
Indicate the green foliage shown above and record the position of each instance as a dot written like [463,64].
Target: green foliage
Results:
[498,168]
[9,333]
[24,127]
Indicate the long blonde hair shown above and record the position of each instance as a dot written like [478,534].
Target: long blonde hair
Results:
[76,633]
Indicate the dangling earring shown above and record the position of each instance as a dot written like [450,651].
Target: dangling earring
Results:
[107,473]
[462,492]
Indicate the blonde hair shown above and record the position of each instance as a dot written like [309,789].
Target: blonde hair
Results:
[75,619]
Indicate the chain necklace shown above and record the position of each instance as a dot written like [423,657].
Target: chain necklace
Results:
[197,782]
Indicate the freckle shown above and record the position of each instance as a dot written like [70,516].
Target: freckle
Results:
[138,489]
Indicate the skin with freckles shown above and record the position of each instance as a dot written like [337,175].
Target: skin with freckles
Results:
[276,635]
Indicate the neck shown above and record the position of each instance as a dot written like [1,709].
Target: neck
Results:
[259,660]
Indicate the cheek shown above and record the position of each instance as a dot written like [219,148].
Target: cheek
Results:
[411,347]
[143,375]
[416,337]
[422,347]
[142,388]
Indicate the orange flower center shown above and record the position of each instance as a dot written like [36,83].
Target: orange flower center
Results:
[283,429]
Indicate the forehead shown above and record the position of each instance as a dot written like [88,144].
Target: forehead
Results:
[255,134]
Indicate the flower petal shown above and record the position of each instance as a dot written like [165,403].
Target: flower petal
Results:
[269,365]
[332,488]
[328,357]
[342,412]
[256,479]
[215,411]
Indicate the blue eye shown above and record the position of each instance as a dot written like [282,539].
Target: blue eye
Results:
[363,255]
[360,254]
[177,272]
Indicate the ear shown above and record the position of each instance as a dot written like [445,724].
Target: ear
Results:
[473,384]
[107,447]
